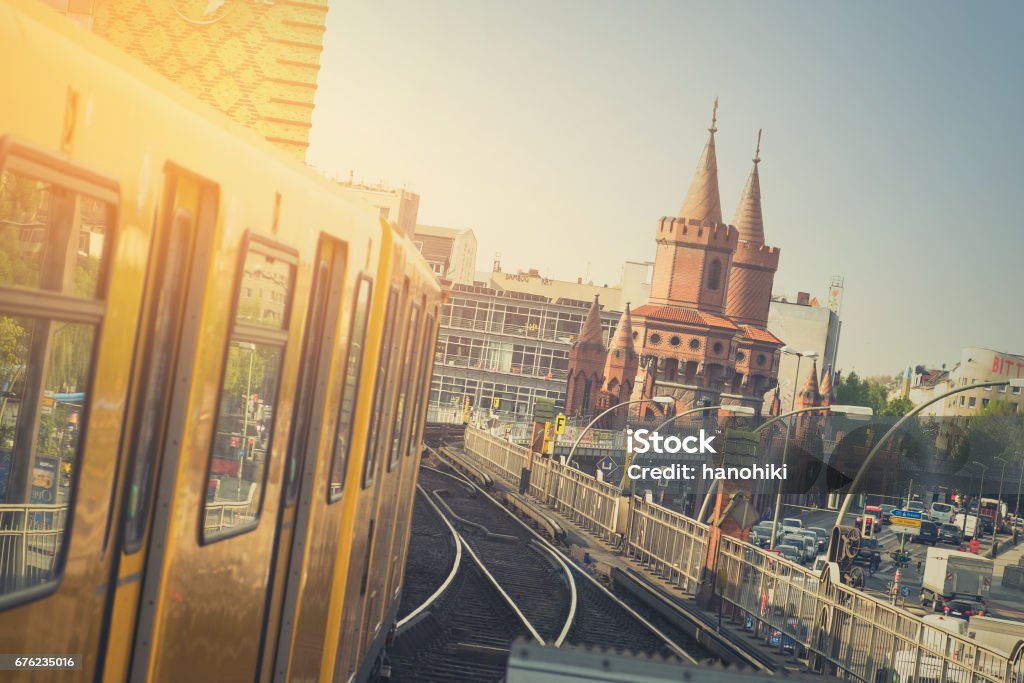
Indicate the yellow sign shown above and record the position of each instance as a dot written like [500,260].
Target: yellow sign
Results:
[465,411]
[905,521]
[546,446]
[495,403]
[560,424]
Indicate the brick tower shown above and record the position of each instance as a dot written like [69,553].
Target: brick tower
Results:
[690,343]
[752,272]
[620,367]
[585,378]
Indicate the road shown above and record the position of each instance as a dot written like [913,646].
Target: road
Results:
[1005,605]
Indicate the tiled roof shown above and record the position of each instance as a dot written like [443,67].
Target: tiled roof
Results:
[760,335]
[683,315]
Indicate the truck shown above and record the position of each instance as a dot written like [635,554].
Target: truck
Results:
[995,510]
[970,527]
[951,575]
[1001,635]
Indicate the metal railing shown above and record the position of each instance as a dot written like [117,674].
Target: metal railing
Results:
[519,369]
[223,515]
[30,539]
[842,632]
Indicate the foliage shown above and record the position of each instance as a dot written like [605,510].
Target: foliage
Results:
[996,431]
[852,390]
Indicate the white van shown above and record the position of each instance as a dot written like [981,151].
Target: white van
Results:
[942,513]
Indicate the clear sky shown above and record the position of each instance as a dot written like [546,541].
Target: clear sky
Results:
[560,131]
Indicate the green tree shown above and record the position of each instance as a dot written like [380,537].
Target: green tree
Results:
[996,431]
[871,393]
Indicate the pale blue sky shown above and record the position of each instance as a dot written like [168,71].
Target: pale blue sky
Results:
[561,131]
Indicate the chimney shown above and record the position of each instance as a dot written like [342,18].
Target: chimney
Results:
[803,299]
[579,281]
[534,272]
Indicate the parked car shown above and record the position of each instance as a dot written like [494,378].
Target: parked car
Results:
[929,534]
[951,533]
[789,552]
[886,513]
[941,513]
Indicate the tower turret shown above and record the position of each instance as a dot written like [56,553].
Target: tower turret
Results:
[586,364]
[752,271]
[621,365]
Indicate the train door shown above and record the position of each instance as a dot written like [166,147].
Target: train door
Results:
[216,497]
[178,260]
[65,332]
[303,471]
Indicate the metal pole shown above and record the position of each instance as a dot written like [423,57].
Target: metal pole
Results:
[1002,475]
[245,425]
[1016,510]
[785,447]
[892,430]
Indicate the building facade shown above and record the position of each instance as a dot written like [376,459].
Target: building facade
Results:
[804,326]
[450,252]
[976,365]
[394,204]
[702,336]
[508,346]
[255,61]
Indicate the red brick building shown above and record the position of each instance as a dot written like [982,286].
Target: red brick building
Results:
[702,336]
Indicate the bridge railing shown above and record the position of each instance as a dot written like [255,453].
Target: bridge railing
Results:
[844,632]
[30,538]
[672,545]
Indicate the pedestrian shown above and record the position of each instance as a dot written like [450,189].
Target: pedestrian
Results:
[873,564]
[918,566]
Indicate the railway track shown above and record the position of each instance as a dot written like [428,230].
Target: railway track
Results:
[563,603]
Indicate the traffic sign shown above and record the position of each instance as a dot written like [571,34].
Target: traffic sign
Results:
[606,464]
[495,403]
[906,522]
[560,424]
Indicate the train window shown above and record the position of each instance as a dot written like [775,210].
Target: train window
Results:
[350,388]
[408,372]
[380,388]
[52,267]
[248,398]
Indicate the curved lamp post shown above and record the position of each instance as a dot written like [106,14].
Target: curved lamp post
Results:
[1016,382]
[1002,475]
[841,409]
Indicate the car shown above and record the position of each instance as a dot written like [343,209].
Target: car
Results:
[987,527]
[801,544]
[869,549]
[823,536]
[817,541]
[952,534]
[789,552]
[886,513]
[941,513]
[915,506]
[964,609]
[790,523]
[929,534]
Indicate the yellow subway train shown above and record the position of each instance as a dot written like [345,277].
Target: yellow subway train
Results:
[213,370]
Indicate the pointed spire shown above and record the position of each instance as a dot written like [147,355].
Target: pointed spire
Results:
[825,390]
[776,408]
[591,333]
[702,202]
[623,339]
[810,396]
[748,219]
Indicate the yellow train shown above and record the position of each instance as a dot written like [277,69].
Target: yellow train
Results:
[213,370]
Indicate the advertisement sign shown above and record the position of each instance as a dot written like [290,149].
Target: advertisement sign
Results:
[44,481]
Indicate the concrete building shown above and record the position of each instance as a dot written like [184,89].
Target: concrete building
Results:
[702,336]
[394,204]
[510,346]
[530,281]
[257,62]
[976,365]
[450,252]
[804,326]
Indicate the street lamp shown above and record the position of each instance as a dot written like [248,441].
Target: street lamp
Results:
[1002,474]
[1020,480]
[1016,382]
[251,348]
[838,409]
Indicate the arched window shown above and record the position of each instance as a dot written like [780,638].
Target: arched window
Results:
[715,274]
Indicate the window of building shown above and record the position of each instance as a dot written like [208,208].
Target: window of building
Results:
[715,275]
[1016,390]
[963,400]
[972,402]
[984,403]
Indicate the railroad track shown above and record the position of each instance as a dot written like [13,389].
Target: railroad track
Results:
[462,629]
[510,549]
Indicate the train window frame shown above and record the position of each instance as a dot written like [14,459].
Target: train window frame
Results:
[340,461]
[245,332]
[380,388]
[49,307]
[400,428]
[309,406]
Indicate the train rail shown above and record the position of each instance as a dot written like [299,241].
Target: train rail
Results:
[600,618]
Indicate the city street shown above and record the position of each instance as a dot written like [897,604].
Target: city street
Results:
[1004,603]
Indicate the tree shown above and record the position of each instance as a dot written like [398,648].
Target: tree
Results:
[871,393]
[996,431]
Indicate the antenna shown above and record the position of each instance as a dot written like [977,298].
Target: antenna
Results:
[496,268]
